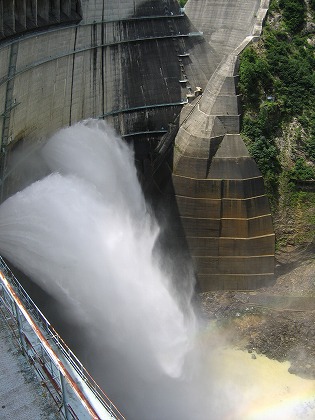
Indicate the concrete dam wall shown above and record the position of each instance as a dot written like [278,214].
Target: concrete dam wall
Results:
[114,64]
[218,188]
[141,65]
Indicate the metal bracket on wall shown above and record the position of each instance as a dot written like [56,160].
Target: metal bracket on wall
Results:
[8,110]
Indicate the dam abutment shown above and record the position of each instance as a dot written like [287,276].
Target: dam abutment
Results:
[218,187]
[150,69]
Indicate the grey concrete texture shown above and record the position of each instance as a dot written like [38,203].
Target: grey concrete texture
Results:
[18,17]
[21,395]
[234,281]
[224,23]
[232,265]
[233,168]
[218,186]
[230,228]
[253,207]
[134,63]
[232,145]
[122,62]
[225,208]
[228,246]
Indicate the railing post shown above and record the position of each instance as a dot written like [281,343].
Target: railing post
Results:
[15,306]
[64,395]
[20,328]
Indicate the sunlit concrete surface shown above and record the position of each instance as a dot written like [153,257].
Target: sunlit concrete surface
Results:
[21,397]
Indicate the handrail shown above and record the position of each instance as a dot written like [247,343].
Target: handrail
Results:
[36,314]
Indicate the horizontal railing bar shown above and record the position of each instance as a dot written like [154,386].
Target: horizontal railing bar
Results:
[58,341]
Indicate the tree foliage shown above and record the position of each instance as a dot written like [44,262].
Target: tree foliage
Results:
[182,3]
[265,154]
[301,171]
[277,83]
[293,12]
[254,76]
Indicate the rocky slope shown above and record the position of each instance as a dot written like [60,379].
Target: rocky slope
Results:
[278,321]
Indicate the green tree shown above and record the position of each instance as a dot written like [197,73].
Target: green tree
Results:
[293,12]
[301,171]
[265,154]
[254,76]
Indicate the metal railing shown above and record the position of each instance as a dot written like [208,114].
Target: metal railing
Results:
[16,300]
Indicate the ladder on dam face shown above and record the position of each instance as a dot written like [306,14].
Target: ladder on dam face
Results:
[71,387]
[180,55]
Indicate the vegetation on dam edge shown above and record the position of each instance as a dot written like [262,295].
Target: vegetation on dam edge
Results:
[277,83]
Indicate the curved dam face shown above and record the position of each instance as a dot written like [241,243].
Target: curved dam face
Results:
[218,188]
[141,66]
[121,62]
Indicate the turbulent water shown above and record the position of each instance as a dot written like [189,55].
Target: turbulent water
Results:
[85,235]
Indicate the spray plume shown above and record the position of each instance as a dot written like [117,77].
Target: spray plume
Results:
[85,235]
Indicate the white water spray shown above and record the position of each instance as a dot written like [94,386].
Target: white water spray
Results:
[85,235]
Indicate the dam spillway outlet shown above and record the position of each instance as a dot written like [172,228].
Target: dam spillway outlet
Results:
[164,78]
